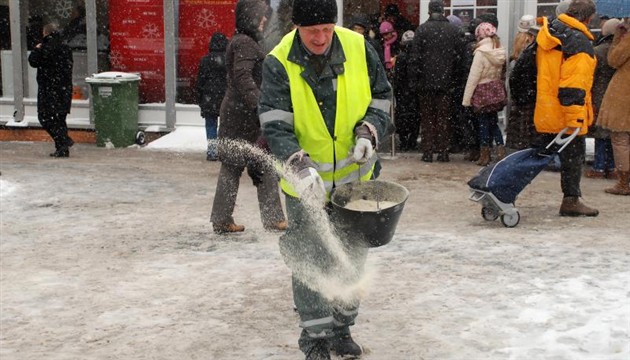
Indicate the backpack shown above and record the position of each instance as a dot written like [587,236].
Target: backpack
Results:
[523,76]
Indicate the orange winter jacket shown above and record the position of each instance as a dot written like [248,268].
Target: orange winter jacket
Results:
[566,66]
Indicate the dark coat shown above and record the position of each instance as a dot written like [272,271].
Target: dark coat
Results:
[53,61]
[211,79]
[404,91]
[603,71]
[244,58]
[436,55]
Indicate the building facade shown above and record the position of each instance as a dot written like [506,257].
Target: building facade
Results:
[163,41]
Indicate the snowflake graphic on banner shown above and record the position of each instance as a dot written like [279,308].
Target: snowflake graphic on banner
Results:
[115,58]
[206,19]
[150,31]
[63,8]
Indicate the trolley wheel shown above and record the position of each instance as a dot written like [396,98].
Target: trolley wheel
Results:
[489,214]
[140,138]
[510,220]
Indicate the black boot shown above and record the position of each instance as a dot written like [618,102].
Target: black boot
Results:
[443,156]
[343,345]
[318,350]
[427,156]
[61,153]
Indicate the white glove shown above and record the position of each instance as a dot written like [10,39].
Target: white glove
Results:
[363,150]
[311,185]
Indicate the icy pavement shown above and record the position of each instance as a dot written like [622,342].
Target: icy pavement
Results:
[109,254]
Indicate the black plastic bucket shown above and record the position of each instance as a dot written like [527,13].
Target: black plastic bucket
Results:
[373,227]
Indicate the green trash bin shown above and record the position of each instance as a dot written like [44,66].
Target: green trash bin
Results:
[115,108]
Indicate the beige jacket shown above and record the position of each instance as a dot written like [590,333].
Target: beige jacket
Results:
[614,113]
[487,65]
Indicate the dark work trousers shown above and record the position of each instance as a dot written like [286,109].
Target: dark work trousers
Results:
[435,122]
[305,251]
[55,125]
[266,182]
[571,161]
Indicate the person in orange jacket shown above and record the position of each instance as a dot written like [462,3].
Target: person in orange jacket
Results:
[566,66]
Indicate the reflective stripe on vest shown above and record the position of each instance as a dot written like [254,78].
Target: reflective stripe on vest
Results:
[332,155]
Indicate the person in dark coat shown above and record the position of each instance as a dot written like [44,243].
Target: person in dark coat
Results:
[467,118]
[239,121]
[360,23]
[436,56]
[406,114]
[604,164]
[53,61]
[211,85]
[401,24]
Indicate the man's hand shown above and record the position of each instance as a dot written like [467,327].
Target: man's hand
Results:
[311,185]
[364,148]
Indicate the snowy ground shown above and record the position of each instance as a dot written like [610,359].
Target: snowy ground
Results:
[110,255]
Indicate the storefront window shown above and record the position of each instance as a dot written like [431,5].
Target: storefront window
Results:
[469,9]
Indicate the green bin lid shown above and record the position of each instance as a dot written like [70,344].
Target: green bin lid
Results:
[112,77]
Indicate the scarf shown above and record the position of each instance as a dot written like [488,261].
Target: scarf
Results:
[388,51]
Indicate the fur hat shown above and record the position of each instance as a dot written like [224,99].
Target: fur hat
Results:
[314,12]
[485,30]
[526,22]
[610,26]
[407,37]
[386,27]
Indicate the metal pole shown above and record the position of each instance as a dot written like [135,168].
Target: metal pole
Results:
[92,45]
[170,64]
[17,13]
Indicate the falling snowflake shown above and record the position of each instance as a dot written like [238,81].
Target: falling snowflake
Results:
[150,31]
[116,60]
[63,8]
[206,19]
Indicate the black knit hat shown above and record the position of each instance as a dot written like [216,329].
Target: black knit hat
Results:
[314,12]
[436,6]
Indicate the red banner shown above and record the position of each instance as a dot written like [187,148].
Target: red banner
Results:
[198,20]
[137,41]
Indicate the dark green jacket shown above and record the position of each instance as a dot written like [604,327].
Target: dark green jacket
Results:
[276,96]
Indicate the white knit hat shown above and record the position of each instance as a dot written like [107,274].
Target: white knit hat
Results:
[526,22]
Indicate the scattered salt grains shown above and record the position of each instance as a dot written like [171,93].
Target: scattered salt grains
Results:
[344,284]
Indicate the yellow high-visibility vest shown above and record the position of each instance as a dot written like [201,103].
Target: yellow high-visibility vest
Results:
[331,154]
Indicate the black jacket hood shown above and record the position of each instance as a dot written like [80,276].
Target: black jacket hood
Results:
[248,16]
[218,42]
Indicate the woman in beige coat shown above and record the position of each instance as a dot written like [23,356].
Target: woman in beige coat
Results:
[614,114]
[488,65]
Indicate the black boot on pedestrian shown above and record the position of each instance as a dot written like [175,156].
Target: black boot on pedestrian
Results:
[61,153]
[344,346]
[427,157]
[319,350]
[443,157]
